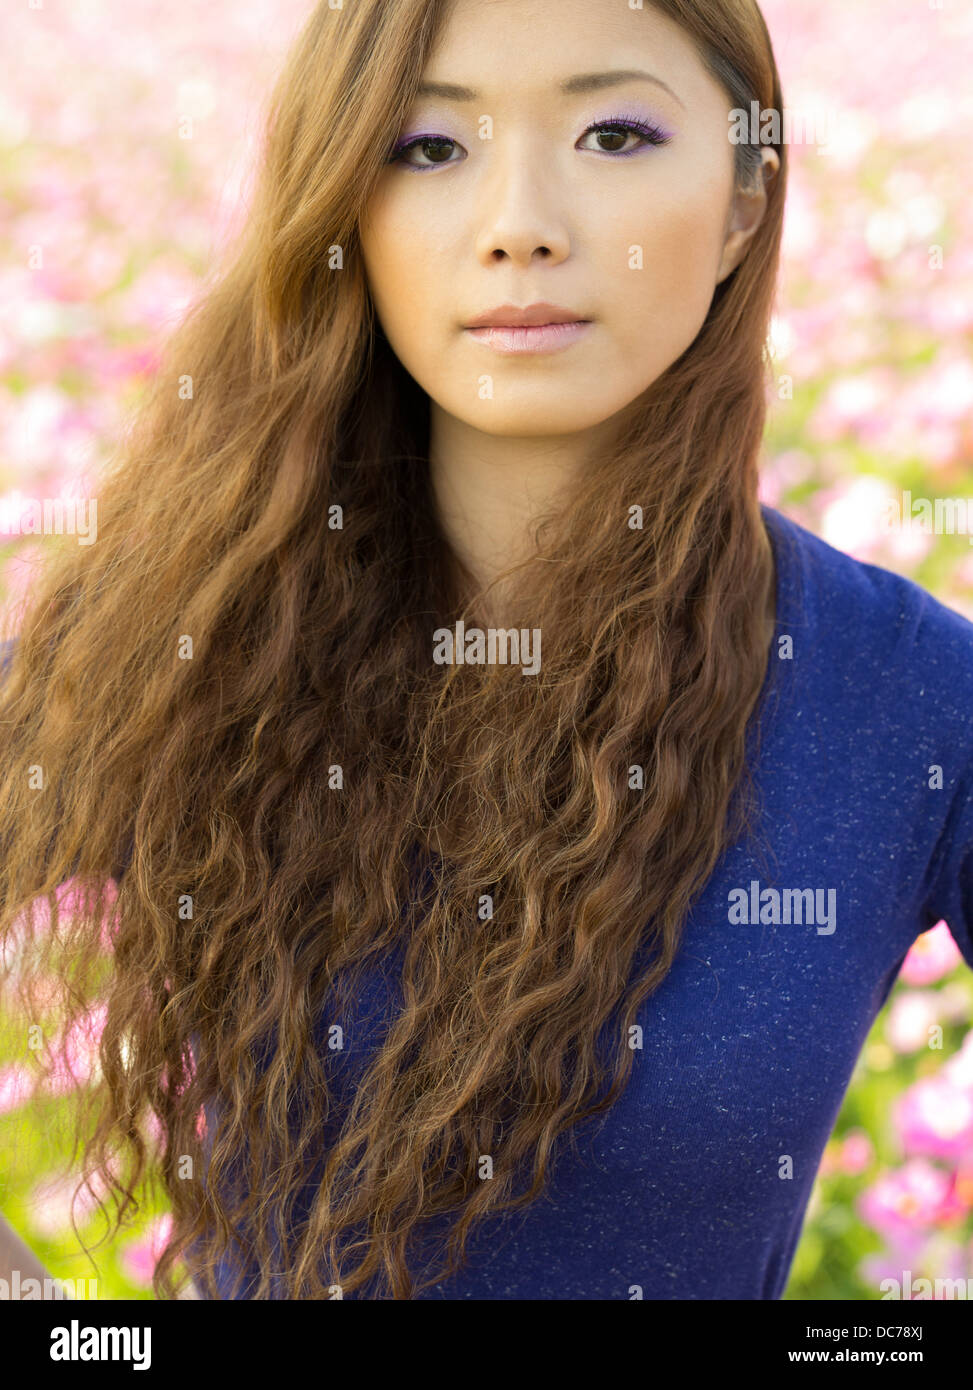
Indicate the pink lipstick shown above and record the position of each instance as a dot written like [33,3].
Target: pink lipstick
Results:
[534,329]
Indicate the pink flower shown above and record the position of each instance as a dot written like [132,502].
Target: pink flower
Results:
[16,1085]
[128,362]
[153,1129]
[938,1256]
[856,1153]
[935,1117]
[874,1270]
[71,896]
[849,520]
[903,1204]
[75,1054]
[931,956]
[959,1069]
[852,403]
[160,296]
[141,1256]
[910,1017]
[54,1200]
[963,1183]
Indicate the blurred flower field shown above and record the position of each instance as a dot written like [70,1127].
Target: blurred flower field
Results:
[871,355]
[126,137]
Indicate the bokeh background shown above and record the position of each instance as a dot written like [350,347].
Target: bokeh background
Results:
[127,135]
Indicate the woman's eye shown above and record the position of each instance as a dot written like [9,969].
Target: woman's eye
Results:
[612,137]
[436,148]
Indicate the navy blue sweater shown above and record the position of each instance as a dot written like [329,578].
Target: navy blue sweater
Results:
[695,1184]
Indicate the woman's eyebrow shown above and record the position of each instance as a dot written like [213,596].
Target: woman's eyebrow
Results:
[584,82]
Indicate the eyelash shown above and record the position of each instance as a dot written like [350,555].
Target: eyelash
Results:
[652,135]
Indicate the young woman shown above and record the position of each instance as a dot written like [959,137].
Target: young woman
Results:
[517,827]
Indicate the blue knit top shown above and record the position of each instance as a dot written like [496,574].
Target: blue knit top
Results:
[695,1183]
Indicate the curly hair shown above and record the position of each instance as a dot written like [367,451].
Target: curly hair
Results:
[232,694]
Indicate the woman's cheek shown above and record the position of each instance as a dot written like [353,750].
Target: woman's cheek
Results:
[415,330]
[395,280]
[681,266]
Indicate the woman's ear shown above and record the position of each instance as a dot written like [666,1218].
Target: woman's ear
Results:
[747,213]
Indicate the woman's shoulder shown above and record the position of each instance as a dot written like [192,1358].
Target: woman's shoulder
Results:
[863,619]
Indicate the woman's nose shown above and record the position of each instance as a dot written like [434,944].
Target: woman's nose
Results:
[521,215]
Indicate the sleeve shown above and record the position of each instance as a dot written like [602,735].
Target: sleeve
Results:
[950,896]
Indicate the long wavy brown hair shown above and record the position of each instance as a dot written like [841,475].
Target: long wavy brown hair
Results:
[233,694]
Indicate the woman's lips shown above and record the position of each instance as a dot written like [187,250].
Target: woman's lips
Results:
[548,337]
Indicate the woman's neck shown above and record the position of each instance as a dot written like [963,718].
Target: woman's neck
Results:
[490,490]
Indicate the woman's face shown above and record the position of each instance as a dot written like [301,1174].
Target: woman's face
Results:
[612,199]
